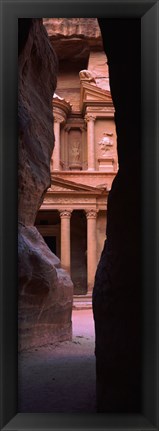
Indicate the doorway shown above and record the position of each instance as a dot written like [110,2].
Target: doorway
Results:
[51,243]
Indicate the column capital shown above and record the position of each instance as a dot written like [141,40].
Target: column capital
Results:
[92,213]
[65,213]
[90,117]
[58,118]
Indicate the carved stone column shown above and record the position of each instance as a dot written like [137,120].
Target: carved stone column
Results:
[84,156]
[67,129]
[56,153]
[65,216]
[90,141]
[91,247]
[61,109]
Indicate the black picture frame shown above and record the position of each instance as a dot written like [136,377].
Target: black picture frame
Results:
[148,12]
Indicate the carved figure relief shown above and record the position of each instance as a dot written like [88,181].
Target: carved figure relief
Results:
[106,143]
[86,75]
[75,151]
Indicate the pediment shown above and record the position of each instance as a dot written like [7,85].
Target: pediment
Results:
[59,185]
[94,94]
[58,188]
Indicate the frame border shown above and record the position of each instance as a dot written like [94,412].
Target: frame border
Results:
[148,11]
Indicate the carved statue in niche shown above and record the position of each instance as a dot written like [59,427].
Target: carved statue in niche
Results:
[106,143]
[75,151]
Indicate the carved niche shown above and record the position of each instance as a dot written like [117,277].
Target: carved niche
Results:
[75,149]
[73,145]
[105,144]
[106,159]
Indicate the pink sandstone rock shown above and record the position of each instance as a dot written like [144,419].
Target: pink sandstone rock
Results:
[45,290]
[73,37]
[37,82]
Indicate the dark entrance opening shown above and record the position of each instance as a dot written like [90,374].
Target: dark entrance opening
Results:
[78,252]
[51,242]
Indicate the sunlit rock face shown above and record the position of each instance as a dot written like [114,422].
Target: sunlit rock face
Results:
[117,290]
[73,37]
[44,311]
[78,44]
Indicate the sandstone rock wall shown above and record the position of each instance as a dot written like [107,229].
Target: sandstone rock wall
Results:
[80,34]
[45,290]
[117,290]
[37,81]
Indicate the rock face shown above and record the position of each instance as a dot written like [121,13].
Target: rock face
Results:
[73,37]
[45,290]
[117,290]
[37,82]
[79,46]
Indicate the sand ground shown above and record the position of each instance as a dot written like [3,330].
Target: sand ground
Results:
[61,378]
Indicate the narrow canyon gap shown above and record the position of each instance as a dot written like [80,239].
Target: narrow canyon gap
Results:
[117,290]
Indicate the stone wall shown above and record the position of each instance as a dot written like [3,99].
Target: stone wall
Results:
[45,290]
[117,290]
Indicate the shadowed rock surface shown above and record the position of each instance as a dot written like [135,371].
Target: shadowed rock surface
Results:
[117,290]
[37,82]
[45,290]
[73,37]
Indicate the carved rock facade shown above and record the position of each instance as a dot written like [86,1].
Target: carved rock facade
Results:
[81,172]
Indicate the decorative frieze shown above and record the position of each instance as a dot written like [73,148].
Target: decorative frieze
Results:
[101,111]
[76,200]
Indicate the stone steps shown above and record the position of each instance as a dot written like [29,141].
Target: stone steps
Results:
[82,302]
